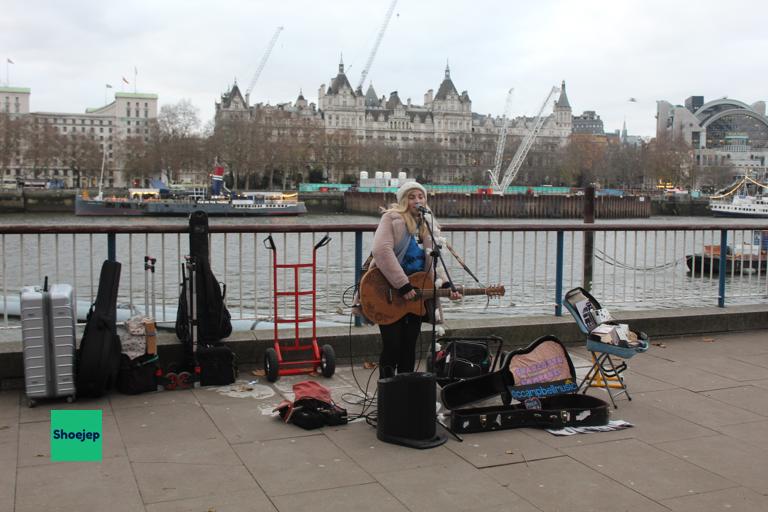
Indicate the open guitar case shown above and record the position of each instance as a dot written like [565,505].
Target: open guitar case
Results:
[541,377]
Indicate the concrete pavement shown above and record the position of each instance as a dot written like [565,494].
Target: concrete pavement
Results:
[700,410]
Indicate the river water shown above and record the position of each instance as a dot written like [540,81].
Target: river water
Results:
[633,269]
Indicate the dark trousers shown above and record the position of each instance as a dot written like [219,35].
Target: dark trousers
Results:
[398,353]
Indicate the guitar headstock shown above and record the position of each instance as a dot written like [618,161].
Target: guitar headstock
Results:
[496,291]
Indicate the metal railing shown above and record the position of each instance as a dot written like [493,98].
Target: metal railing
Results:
[634,266]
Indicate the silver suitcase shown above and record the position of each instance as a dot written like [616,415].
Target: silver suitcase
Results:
[48,341]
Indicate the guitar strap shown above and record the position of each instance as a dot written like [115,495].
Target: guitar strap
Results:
[461,262]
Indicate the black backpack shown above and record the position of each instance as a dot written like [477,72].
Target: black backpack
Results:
[98,359]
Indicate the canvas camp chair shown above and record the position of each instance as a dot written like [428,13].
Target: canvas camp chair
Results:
[605,346]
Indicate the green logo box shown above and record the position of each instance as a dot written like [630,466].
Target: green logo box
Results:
[76,436]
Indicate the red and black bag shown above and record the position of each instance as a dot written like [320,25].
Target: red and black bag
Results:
[312,407]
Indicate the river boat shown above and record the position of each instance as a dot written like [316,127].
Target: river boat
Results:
[145,202]
[164,201]
[745,259]
[745,199]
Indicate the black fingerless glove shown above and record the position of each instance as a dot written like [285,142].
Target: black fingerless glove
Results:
[405,289]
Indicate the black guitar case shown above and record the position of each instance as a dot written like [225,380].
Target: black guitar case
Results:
[541,377]
[213,319]
[543,368]
[98,359]
[557,411]
[217,363]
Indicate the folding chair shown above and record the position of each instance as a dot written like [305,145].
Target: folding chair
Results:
[604,372]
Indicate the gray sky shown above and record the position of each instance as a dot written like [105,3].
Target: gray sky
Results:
[607,51]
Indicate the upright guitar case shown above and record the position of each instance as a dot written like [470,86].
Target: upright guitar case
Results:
[541,377]
[203,319]
[98,361]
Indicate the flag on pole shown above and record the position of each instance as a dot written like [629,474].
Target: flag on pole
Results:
[108,86]
[126,81]
[10,61]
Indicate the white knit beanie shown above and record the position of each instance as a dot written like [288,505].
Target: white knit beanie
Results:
[407,187]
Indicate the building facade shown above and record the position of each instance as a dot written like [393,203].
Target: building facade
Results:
[440,140]
[14,100]
[588,122]
[721,133]
[70,147]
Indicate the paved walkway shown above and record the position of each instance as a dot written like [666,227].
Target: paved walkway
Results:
[700,409]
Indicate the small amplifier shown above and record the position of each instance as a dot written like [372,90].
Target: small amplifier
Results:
[407,411]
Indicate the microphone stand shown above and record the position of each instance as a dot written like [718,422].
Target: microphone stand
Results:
[437,257]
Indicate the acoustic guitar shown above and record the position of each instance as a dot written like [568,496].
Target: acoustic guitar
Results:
[383,305]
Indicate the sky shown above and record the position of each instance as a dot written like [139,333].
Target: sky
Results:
[606,51]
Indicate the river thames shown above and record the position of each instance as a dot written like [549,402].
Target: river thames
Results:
[634,269]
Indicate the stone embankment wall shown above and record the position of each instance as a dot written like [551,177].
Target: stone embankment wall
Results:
[682,207]
[37,201]
[323,202]
[445,205]
[510,206]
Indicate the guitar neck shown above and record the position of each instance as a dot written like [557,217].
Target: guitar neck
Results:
[446,292]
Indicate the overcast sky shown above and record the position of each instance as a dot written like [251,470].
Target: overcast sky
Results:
[606,51]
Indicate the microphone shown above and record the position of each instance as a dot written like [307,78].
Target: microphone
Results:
[422,208]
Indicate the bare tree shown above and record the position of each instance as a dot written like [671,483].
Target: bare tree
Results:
[42,145]
[379,156]
[11,135]
[339,153]
[82,155]
[179,140]
[715,177]
[237,142]
[582,160]
[669,161]
[141,155]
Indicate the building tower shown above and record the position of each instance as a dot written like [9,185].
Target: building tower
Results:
[562,110]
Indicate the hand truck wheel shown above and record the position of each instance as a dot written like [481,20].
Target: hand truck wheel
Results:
[327,361]
[271,365]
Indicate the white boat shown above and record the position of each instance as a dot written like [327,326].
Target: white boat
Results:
[221,201]
[745,198]
[244,204]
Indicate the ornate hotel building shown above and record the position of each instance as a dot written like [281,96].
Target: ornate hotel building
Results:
[443,124]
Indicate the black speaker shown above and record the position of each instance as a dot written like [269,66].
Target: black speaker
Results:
[406,411]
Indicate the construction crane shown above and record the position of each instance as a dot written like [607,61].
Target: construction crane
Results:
[375,49]
[517,161]
[494,173]
[263,63]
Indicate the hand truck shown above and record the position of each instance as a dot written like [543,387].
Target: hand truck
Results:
[322,359]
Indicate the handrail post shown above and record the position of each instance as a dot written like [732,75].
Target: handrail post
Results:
[111,246]
[589,236]
[722,270]
[559,275]
[358,265]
